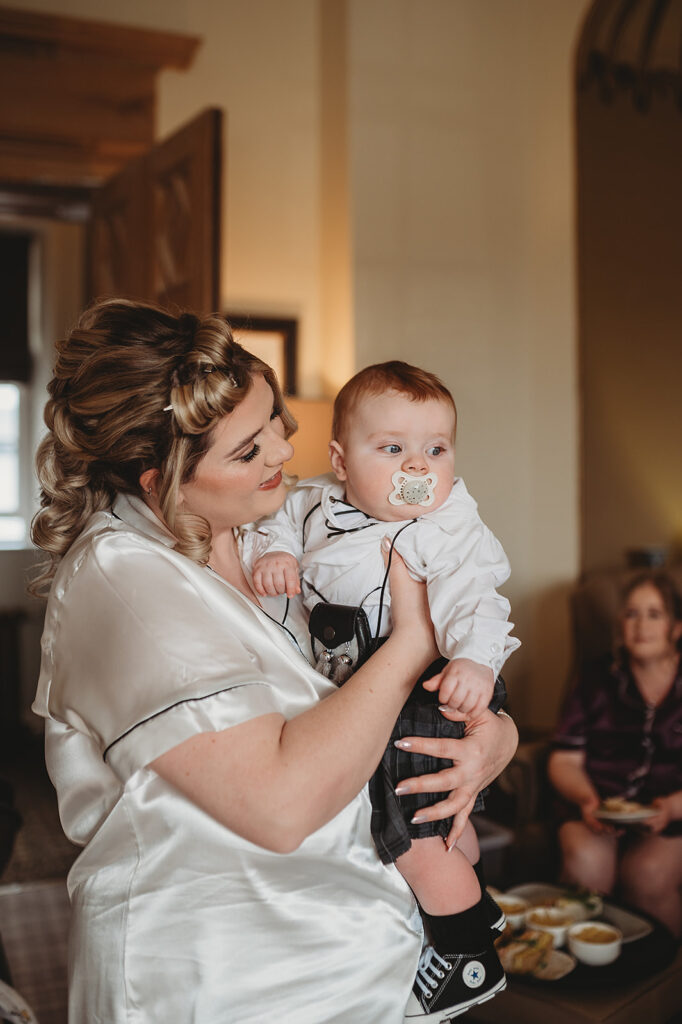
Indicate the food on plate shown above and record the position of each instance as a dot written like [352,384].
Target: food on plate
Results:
[618,805]
[557,965]
[551,920]
[580,905]
[511,904]
[514,908]
[526,952]
[596,933]
[549,916]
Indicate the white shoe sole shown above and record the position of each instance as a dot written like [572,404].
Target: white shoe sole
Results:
[415,1012]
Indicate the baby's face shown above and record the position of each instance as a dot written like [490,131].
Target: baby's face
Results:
[393,433]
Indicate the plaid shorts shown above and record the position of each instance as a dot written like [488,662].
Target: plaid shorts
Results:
[391,828]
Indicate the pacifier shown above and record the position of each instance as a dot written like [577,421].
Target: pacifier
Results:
[412,490]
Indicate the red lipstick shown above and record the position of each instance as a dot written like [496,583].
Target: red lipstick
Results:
[273,482]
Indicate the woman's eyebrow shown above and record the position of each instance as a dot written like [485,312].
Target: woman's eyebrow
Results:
[244,443]
[251,437]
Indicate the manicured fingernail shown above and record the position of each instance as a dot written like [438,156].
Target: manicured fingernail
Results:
[443,707]
[452,846]
[401,790]
[402,744]
[385,544]
[418,818]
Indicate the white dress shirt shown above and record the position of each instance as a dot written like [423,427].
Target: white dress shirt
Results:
[451,549]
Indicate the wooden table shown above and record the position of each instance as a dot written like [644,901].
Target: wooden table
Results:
[653,1000]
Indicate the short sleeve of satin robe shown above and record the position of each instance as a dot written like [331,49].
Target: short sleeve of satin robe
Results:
[143,649]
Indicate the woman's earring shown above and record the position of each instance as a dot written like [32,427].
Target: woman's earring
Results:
[149,491]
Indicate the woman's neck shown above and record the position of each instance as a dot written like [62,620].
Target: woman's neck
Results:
[225,561]
[655,678]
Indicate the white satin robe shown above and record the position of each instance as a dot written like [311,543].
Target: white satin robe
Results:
[175,918]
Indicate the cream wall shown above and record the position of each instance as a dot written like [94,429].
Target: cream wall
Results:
[400,172]
[631,323]
[463,227]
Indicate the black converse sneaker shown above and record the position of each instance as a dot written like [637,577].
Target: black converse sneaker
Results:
[494,914]
[451,984]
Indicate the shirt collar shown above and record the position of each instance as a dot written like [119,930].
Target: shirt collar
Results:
[136,513]
[627,687]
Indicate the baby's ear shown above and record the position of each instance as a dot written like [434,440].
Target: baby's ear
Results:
[337,459]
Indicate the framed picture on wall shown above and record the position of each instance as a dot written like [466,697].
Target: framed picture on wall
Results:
[272,339]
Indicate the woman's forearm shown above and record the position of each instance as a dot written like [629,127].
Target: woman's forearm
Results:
[275,782]
[567,774]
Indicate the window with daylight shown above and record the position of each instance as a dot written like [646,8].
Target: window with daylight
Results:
[15,377]
[12,522]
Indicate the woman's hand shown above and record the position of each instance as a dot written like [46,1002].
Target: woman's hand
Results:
[478,758]
[669,809]
[587,808]
[410,608]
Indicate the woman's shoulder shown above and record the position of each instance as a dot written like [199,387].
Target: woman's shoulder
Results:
[111,557]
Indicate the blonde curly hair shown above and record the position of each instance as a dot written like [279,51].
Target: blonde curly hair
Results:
[135,388]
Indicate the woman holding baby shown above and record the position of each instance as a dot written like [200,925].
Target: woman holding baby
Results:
[620,736]
[216,782]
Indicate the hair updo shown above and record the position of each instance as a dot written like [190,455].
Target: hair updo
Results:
[135,388]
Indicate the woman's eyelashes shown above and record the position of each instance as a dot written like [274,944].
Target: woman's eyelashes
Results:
[251,455]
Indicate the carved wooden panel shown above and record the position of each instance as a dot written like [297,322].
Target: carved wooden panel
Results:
[155,229]
[120,243]
[78,97]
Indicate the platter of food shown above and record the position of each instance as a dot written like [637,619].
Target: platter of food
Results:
[624,812]
[576,940]
[580,906]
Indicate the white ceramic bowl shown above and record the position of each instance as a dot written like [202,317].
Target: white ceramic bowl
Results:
[552,920]
[595,942]
[514,909]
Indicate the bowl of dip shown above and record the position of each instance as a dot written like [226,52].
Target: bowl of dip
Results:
[514,909]
[595,942]
[554,920]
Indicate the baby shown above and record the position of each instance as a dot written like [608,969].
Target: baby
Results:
[393,456]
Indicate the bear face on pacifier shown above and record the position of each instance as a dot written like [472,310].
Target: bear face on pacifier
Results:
[413,490]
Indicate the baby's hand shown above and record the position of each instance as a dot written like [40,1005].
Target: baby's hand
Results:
[276,573]
[464,686]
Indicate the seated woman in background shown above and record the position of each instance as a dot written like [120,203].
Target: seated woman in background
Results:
[620,735]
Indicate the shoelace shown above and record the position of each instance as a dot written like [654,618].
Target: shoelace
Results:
[430,971]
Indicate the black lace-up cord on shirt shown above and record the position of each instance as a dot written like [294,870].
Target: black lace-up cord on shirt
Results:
[336,531]
[384,584]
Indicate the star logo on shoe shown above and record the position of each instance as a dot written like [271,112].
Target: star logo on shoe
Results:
[473,975]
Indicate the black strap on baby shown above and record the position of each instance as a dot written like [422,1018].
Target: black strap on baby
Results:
[343,631]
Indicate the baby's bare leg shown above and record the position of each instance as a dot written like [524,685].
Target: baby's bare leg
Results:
[468,843]
[443,882]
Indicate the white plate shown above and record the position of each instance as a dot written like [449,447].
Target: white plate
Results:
[557,965]
[631,925]
[627,817]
